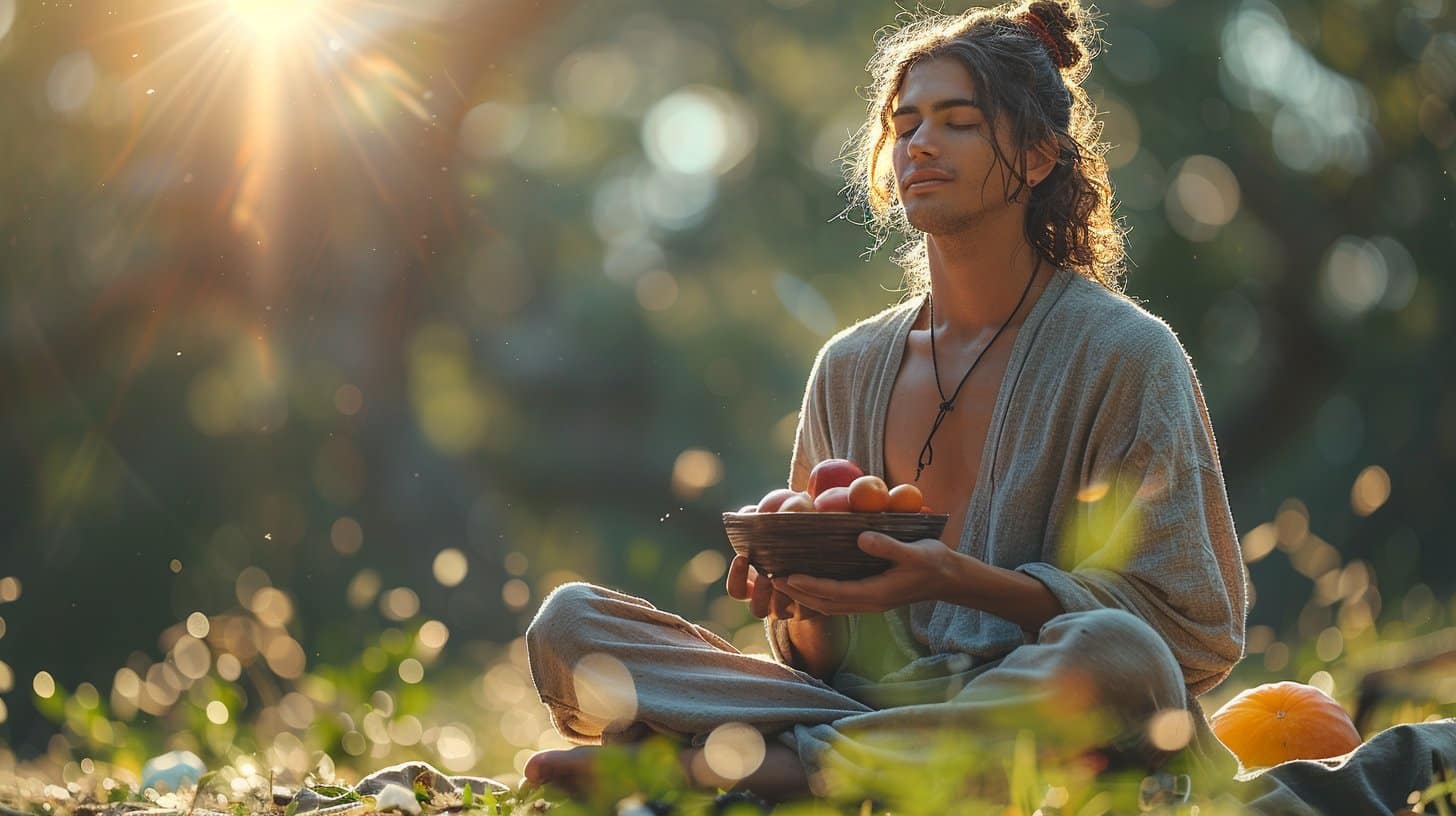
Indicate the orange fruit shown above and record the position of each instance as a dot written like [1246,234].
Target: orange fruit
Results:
[906,498]
[1277,722]
[868,494]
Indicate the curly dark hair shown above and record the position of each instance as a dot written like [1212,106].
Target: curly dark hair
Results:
[1028,60]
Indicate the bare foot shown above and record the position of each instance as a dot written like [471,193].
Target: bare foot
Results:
[779,778]
[571,769]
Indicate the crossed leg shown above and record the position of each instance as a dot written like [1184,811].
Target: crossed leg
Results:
[613,669]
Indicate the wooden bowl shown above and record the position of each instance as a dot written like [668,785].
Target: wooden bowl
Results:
[824,545]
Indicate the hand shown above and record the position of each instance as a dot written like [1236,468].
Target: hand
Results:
[918,572]
[746,583]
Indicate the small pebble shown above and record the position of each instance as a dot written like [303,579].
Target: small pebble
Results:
[394,797]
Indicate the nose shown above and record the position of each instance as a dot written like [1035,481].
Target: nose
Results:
[921,142]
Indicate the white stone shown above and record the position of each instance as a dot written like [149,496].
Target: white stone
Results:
[394,797]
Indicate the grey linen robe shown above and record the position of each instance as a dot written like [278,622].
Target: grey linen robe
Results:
[1098,392]
[1100,478]
[1099,401]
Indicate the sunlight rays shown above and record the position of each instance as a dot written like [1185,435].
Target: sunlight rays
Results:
[242,87]
[224,101]
[274,22]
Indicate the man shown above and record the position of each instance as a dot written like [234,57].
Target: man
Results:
[1089,565]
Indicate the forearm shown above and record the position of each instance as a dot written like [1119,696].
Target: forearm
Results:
[817,644]
[1007,594]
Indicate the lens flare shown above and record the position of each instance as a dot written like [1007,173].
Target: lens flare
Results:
[250,93]
[273,20]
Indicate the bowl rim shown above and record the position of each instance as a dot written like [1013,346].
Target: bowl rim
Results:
[734,515]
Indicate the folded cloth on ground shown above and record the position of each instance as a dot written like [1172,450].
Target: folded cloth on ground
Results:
[1378,777]
[404,775]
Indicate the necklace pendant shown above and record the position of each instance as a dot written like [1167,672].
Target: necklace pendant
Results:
[947,404]
[927,455]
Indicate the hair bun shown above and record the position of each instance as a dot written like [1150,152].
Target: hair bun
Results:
[1056,23]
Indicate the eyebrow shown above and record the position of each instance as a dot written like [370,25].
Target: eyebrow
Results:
[938,106]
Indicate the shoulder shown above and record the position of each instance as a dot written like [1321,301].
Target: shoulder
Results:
[1135,375]
[869,338]
[1115,330]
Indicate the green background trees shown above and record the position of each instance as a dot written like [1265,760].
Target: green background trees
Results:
[299,297]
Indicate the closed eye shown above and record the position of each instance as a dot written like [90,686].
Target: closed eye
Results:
[952,126]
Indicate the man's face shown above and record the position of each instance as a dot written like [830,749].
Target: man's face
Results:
[940,132]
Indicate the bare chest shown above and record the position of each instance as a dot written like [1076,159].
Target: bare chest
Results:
[959,444]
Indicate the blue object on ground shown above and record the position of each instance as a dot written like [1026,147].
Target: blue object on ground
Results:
[172,770]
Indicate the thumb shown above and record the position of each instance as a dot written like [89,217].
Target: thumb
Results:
[876,543]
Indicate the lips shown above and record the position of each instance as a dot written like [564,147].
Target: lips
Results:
[925,180]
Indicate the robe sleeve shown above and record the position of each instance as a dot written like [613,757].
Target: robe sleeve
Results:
[812,443]
[1150,531]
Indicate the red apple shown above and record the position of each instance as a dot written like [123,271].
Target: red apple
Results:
[832,473]
[833,500]
[774,500]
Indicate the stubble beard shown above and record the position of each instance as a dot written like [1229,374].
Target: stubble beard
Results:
[943,219]
[955,216]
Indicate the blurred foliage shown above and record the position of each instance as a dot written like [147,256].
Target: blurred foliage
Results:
[337,333]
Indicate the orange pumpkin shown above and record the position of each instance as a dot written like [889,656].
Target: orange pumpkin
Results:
[1276,722]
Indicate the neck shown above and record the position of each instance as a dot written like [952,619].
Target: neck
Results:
[978,275]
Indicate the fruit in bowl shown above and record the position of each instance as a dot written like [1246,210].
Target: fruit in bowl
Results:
[816,532]
[832,473]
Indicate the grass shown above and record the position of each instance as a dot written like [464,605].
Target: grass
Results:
[223,689]
[1006,778]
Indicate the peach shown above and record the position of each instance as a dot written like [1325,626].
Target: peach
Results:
[774,500]
[797,503]
[832,473]
[868,494]
[906,498]
[833,500]
[748,508]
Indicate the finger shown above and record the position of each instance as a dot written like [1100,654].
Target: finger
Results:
[737,583]
[761,599]
[879,544]
[816,587]
[781,605]
[803,612]
[826,606]
[754,578]
[838,597]
[812,606]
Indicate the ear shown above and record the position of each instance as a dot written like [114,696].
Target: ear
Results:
[1041,160]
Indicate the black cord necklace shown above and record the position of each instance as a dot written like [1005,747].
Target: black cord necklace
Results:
[947,404]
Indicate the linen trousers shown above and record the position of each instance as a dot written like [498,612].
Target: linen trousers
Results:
[613,668]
